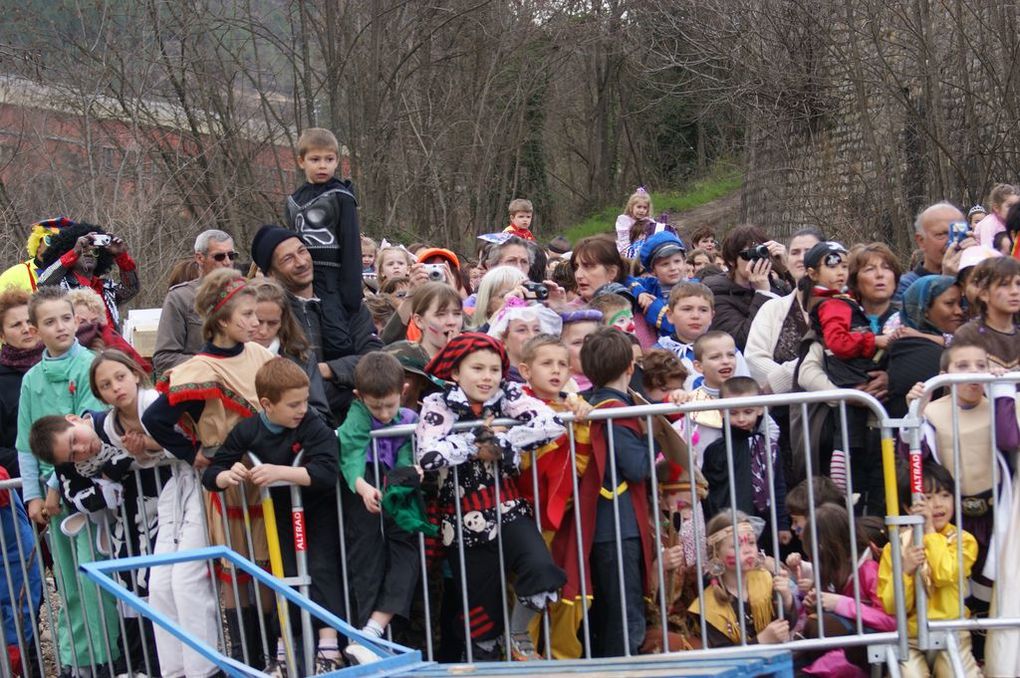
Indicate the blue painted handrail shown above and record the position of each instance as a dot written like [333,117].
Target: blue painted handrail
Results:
[394,657]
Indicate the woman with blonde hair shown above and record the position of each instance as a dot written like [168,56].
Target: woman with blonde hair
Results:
[495,285]
[392,262]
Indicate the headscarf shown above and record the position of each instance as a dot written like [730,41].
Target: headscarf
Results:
[517,309]
[443,363]
[918,299]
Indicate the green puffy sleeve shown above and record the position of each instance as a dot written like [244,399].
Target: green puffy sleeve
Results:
[354,436]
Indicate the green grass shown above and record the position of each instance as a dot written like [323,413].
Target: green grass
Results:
[719,184]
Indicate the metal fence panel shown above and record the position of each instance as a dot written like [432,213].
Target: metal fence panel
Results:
[433,624]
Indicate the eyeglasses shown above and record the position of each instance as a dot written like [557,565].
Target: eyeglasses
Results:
[221,256]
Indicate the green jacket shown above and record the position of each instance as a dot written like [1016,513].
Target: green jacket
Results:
[355,438]
[53,386]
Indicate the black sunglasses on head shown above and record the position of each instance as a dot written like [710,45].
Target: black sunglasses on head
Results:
[220,256]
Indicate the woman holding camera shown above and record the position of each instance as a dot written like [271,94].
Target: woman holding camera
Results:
[80,255]
[437,315]
[434,264]
[757,273]
[442,265]
[496,284]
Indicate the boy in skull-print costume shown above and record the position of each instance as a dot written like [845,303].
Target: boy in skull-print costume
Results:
[485,461]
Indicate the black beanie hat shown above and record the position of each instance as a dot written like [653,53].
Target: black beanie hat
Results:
[265,242]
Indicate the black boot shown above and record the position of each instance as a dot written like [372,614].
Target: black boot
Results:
[253,636]
[234,636]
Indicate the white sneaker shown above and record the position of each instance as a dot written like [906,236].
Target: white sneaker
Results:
[73,524]
[359,655]
[104,546]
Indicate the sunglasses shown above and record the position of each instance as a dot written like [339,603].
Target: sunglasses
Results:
[221,256]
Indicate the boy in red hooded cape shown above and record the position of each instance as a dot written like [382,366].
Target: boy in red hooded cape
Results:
[607,359]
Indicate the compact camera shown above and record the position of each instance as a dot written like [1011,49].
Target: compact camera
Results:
[435,272]
[958,231]
[101,240]
[540,291]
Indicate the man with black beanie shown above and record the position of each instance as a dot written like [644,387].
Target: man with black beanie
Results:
[339,338]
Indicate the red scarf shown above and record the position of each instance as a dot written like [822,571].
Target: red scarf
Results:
[523,233]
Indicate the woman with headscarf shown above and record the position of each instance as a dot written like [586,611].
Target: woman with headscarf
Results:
[930,315]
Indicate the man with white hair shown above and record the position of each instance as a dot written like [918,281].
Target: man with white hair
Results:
[931,233]
[179,335]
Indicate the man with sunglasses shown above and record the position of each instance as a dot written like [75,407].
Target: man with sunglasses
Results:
[179,335]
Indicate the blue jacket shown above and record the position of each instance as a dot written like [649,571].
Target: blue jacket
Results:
[14,521]
[657,313]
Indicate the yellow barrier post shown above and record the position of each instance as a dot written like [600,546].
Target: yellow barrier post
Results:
[275,566]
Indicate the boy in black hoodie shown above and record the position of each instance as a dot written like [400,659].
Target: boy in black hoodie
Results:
[284,428]
[754,438]
[324,212]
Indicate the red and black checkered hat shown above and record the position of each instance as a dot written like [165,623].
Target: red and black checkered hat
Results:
[459,347]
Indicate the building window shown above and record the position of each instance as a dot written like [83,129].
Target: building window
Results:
[108,161]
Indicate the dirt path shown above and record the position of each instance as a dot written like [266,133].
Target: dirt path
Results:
[720,214]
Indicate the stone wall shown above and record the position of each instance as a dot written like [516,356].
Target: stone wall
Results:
[922,115]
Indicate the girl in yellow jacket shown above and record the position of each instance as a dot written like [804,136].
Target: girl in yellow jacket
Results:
[937,563]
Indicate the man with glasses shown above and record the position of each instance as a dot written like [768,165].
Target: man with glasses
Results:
[179,335]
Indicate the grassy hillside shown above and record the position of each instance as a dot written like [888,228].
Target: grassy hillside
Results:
[718,185]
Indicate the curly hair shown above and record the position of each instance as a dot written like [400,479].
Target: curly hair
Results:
[63,242]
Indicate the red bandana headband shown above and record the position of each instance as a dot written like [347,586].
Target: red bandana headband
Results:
[232,288]
[745,531]
[443,363]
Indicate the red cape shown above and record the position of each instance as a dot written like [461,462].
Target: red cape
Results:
[564,545]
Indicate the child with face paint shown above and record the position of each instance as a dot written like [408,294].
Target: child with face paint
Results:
[616,311]
[437,316]
[437,313]
[721,605]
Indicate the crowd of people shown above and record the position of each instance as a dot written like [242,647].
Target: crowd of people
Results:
[329,335]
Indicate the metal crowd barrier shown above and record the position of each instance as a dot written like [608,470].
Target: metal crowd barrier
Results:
[942,634]
[883,647]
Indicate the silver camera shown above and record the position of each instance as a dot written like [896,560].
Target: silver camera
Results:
[101,240]
[436,272]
